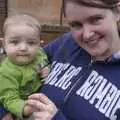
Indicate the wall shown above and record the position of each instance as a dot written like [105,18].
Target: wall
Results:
[47,11]
[3,14]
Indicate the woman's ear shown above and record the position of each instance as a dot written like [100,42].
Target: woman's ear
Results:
[118,17]
[118,5]
[118,11]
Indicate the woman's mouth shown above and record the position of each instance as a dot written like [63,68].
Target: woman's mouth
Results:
[93,42]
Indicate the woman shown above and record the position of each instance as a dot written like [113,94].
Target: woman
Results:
[84,82]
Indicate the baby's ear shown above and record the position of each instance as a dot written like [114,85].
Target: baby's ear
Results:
[1,39]
[2,42]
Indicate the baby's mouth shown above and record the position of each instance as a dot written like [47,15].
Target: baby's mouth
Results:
[22,55]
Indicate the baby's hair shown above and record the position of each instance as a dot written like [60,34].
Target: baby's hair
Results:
[23,19]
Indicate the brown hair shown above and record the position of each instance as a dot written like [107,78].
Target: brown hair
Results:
[110,4]
[23,19]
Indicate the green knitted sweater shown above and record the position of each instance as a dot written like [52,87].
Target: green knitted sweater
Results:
[17,82]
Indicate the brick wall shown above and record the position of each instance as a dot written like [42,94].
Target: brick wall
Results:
[47,11]
[3,14]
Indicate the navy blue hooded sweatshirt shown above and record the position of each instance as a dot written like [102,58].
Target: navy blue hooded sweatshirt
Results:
[3,112]
[80,88]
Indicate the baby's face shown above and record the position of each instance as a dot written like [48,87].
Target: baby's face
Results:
[21,43]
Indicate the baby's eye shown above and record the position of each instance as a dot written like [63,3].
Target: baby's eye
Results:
[32,43]
[14,41]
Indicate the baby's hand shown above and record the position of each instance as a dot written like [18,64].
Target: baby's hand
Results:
[8,116]
[45,72]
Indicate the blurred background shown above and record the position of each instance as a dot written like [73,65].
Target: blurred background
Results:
[48,12]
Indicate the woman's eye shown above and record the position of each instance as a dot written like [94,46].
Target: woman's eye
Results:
[96,20]
[75,25]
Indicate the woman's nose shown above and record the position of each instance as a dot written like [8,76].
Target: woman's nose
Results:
[87,33]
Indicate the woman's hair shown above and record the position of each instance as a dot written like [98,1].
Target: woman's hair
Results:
[22,19]
[110,4]
[96,3]
[107,4]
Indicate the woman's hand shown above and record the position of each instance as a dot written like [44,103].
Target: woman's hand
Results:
[46,108]
[28,109]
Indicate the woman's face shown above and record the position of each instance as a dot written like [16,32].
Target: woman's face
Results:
[94,29]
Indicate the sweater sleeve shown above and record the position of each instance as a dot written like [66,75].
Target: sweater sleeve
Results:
[9,94]
[59,116]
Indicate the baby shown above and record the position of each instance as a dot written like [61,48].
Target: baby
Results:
[25,68]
